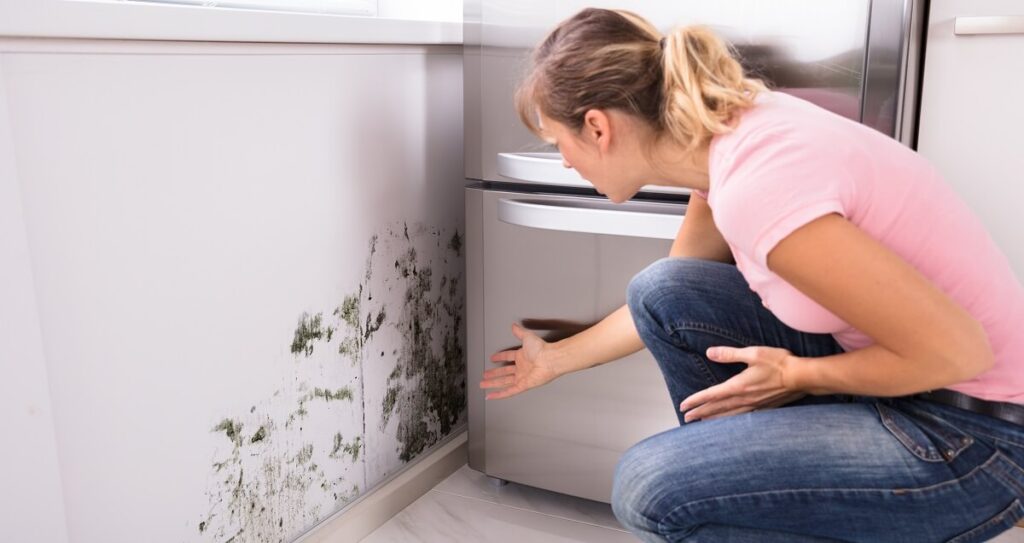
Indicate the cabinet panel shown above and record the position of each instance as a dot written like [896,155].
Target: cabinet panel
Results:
[972,116]
[568,435]
[247,271]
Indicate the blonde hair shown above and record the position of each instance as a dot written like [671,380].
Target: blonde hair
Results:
[687,85]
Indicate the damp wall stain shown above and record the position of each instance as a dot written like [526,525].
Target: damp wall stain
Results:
[287,461]
[426,391]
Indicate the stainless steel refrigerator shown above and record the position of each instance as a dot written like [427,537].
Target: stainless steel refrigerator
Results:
[544,248]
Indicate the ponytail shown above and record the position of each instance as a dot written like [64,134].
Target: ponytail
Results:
[686,85]
[703,85]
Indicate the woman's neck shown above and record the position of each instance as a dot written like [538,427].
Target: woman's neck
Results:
[674,165]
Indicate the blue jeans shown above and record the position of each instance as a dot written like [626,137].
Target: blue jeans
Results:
[825,468]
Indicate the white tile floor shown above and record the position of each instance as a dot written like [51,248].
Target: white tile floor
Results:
[469,507]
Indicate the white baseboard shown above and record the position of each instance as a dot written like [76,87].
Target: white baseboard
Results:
[358,519]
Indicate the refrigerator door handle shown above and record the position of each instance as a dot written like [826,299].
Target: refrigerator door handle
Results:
[591,218]
[1005,24]
[548,169]
[538,168]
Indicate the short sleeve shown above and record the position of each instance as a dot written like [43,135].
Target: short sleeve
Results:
[773,185]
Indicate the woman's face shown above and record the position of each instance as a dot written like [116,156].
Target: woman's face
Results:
[589,152]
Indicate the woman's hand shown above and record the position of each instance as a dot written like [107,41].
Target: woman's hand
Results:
[528,370]
[761,384]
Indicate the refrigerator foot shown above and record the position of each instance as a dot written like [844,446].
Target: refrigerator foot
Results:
[496,482]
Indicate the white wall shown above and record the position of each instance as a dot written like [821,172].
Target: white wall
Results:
[31,505]
[427,10]
[182,206]
[416,23]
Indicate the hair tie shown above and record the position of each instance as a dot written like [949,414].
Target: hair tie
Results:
[662,43]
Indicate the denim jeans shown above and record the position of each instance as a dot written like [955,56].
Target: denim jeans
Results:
[823,468]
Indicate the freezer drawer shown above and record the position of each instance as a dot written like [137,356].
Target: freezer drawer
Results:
[568,258]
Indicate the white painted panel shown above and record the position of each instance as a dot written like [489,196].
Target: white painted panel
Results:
[423,10]
[971,116]
[183,213]
[31,505]
[152,21]
[365,8]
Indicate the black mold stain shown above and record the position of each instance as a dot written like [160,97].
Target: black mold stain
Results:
[427,388]
[305,454]
[271,485]
[352,449]
[232,429]
[260,435]
[264,490]
[455,244]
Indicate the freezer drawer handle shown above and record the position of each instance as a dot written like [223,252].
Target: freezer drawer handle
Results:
[591,220]
[1006,24]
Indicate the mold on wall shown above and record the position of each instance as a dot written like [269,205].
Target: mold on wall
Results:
[378,377]
[426,389]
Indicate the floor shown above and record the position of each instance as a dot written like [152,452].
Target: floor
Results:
[468,506]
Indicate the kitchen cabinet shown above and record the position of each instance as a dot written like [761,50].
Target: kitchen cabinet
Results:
[972,116]
[232,282]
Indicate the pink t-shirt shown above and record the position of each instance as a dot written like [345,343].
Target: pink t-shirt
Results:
[789,162]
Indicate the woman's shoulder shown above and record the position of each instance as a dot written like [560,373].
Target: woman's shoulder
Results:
[780,123]
[777,112]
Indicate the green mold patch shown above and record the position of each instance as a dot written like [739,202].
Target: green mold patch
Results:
[309,331]
[359,328]
[351,449]
[266,488]
[232,429]
[281,463]
[344,393]
[326,395]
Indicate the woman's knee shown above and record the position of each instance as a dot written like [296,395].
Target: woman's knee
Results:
[678,276]
[658,479]
[631,488]
[646,486]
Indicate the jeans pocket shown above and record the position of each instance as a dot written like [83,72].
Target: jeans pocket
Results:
[925,435]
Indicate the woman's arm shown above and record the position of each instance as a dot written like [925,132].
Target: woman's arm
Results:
[924,340]
[698,236]
[614,337]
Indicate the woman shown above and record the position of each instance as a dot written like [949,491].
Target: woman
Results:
[822,267]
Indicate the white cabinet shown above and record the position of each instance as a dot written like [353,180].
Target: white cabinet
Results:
[972,114]
[227,273]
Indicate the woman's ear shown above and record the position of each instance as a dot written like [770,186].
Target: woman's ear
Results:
[597,129]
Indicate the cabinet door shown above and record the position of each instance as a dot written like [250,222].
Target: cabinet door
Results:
[568,435]
[972,114]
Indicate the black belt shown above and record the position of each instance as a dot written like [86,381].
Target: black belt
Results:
[1010,412]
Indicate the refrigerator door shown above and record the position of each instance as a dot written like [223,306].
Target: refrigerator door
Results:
[557,263]
[856,58]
